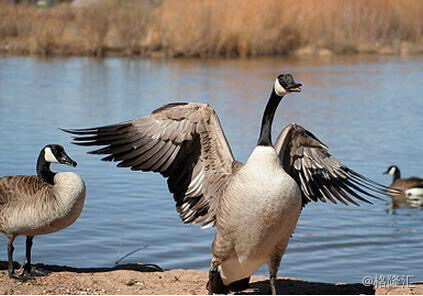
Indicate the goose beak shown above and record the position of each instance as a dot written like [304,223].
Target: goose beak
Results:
[296,87]
[67,160]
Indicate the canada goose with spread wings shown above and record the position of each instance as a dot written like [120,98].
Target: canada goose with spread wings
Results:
[254,206]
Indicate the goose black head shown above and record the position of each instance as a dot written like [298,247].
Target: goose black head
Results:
[286,84]
[54,153]
[392,170]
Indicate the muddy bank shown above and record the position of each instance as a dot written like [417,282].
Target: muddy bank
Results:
[150,279]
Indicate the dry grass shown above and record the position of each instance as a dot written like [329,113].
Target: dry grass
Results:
[266,27]
[110,25]
[215,27]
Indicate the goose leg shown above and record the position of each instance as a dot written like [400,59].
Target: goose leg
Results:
[215,284]
[273,284]
[28,269]
[11,268]
[275,260]
[221,249]
[10,249]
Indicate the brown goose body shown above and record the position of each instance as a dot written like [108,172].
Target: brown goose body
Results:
[411,189]
[408,183]
[30,206]
[42,204]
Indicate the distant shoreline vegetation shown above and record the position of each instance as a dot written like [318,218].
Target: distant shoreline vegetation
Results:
[213,28]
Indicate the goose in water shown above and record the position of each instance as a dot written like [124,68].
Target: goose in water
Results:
[42,204]
[255,206]
[411,188]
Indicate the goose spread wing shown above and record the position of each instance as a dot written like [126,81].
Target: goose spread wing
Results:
[182,141]
[318,174]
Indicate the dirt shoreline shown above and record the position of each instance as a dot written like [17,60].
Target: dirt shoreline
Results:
[19,48]
[150,279]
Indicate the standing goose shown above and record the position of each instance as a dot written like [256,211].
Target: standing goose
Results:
[42,204]
[411,188]
[254,206]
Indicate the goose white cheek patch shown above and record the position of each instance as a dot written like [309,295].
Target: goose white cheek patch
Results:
[392,171]
[279,89]
[49,156]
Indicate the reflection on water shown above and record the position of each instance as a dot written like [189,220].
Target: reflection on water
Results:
[367,109]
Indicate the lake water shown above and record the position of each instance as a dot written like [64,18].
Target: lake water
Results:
[367,109]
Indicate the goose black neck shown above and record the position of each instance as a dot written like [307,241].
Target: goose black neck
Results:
[265,138]
[43,170]
[397,175]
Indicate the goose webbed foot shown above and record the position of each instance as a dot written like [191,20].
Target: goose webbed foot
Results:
[240,285]
[21,278]
[34,271]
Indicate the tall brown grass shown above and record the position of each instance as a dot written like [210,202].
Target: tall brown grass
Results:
[214,27]
[109,25]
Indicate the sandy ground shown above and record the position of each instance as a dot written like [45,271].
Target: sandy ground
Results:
[150,279]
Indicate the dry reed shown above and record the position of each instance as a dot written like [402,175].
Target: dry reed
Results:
[215,27]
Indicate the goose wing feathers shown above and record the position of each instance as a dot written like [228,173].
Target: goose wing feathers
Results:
[182,141]
[318,174]
[16,188]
